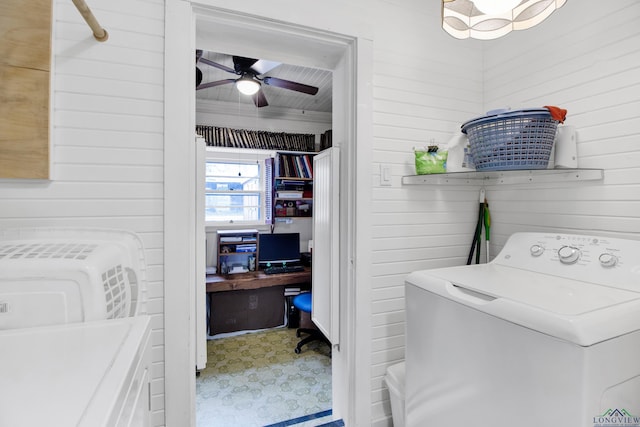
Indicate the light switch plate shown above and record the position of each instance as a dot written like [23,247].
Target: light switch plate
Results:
[385,175]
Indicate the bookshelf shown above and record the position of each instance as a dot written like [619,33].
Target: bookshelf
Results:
[293,185]
[243,138]
[237,251]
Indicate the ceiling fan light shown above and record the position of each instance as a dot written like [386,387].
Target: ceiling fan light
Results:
[247,85]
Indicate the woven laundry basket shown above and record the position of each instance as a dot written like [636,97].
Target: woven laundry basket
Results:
[511,140]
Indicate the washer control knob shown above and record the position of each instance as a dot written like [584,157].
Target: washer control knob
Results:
[608,260]
[536,250]
[568,254]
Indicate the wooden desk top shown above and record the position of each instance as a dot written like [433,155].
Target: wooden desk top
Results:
[255,280]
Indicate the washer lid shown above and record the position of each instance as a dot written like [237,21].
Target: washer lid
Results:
[579,312]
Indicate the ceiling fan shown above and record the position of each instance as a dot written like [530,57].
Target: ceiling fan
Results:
[251,72]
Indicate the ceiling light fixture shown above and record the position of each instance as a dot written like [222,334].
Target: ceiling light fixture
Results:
[494,7]
[490,19]
[247,85]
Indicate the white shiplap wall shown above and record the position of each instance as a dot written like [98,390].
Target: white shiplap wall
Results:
[583,58]
[587,60]
[107,141]
[425,85]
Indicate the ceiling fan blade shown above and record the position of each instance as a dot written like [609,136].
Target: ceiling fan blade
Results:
[198,76]
[286,84]
[262,66]
[218,66]
[216,83]
[259,99]
[253,66]
[242,64]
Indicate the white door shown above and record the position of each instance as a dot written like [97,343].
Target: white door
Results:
[326,254]
[200,262]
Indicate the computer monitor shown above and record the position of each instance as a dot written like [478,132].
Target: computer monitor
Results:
[278,248]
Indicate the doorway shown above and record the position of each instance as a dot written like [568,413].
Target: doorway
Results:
[251,37]
[255,378]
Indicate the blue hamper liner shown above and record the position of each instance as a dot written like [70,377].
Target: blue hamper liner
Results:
[511,140]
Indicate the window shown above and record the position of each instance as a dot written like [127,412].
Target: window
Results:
[236,190]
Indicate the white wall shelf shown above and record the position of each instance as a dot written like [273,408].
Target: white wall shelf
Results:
[506,177]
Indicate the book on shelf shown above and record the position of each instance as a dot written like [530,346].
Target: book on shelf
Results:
[246,248]
[308,165]
[237,233]
[300,169]
[287,184]
[230,239]
[294,165]
[290,194]
[304,208]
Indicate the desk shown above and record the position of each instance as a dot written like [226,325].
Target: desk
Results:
[255,280]
[247,301]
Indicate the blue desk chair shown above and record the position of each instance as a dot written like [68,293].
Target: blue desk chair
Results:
[303,303]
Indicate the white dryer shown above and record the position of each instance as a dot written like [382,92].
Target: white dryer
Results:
[90,374]
[547,334]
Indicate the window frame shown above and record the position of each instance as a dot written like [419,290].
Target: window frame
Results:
[242,156]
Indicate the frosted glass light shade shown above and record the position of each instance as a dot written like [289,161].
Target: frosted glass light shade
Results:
[247,85]
[463,19]
[493,7]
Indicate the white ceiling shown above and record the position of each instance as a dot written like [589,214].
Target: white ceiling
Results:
[276,97]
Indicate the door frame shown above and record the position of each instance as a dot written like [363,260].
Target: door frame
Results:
[350,58]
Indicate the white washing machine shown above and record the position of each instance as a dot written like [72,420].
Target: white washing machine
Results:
[547,334]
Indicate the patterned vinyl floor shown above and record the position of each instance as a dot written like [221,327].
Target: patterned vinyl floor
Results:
[256,379]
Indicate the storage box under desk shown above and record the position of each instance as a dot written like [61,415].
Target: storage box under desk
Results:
[232,311]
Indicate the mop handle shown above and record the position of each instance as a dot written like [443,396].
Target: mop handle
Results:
[487,226]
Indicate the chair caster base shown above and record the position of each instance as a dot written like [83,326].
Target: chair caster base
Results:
[314,334]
